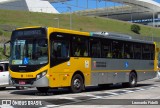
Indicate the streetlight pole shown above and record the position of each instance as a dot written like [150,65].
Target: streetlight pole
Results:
[57,21]
[153,21]
[153,18]
[70,17]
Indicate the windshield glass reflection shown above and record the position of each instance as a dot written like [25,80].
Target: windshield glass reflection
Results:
[29,51]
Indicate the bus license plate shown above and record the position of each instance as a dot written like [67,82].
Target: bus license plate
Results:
[22,82]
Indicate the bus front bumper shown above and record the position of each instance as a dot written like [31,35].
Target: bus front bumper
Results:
[42,82]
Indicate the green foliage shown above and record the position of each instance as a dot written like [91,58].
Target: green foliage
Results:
[3,57]
[1,51]
[1,32]
[13,19]
[135,28]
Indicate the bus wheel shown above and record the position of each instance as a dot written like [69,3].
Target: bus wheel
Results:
[43,89]
[132,79]
[77,83]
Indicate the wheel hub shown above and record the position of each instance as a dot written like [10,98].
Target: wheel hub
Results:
[77,83]
[133,80]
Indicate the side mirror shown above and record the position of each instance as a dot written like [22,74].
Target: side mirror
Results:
[7,44]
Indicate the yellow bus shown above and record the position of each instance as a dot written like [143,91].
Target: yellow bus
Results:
[47,57]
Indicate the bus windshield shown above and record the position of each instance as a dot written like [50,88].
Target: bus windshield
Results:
[29,50]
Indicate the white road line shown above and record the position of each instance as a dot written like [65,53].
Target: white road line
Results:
[6,106]
[50,106]
[113,94]
[142,89]
[158,97]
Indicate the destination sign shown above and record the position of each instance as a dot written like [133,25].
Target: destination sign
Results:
[29,32]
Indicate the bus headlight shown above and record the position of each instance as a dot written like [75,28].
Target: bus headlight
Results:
[40,75]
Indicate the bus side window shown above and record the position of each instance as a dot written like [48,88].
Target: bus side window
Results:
[137,51]
[128,51]
[95,47]
[60,49]
[117,48]
[106,48]
[77,52]
[146,52]
[85,53]
[79,46]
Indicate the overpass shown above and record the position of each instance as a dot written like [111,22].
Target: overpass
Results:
[141,11]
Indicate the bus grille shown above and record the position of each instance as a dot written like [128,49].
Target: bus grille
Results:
[27,81]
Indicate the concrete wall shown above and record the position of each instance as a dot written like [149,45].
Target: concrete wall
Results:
[40,6]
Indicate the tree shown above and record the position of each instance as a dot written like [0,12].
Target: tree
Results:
[135,28]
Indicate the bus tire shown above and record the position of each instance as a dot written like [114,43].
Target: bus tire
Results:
[77,84]
[132,81]
[43,89]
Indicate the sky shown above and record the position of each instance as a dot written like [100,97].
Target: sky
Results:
[77,5]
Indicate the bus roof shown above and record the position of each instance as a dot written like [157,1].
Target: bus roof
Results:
[69,31]
[57,30]
[32,27]
[109,35]
[116,36]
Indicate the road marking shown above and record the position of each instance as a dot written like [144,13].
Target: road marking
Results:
[79,97]
[156,97]
[6,106]
[103,95]
[51,106]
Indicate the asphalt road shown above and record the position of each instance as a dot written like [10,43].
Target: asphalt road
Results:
[146,94]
